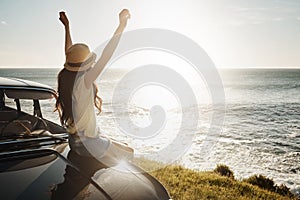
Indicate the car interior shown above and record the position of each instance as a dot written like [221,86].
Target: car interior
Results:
[17,122]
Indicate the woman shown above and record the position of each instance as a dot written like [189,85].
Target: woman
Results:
[77,95]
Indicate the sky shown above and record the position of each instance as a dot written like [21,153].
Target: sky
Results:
[234,33]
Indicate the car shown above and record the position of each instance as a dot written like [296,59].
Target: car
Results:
[36,161]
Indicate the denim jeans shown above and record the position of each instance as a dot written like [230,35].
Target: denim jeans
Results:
[86,146]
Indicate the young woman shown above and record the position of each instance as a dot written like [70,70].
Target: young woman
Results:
[77,95]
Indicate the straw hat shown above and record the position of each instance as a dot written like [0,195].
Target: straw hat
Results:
[79,58]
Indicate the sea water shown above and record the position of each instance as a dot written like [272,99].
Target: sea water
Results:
[260,134]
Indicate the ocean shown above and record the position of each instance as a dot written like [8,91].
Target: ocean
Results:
[260,134]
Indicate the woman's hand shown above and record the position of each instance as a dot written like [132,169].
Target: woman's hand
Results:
[124,15]
[63,18]
[108,51]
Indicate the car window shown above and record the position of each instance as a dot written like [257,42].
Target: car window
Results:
[27,106]
[47,108]
[10,103]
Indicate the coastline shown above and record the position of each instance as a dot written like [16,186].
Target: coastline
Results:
[237,140]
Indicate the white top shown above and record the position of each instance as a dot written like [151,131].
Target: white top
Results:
[85,121]
[83,108]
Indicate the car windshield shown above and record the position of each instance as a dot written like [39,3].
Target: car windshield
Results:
[22,124]
[21,129]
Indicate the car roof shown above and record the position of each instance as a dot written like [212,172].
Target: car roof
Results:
[25,89]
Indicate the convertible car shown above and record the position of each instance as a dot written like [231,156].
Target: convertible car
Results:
[37,163]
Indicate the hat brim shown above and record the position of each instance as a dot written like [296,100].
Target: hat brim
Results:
[78,67]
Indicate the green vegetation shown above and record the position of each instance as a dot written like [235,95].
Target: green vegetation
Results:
[268,184]
[220,184]
[224,170]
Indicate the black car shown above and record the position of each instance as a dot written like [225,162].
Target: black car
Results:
[37,163]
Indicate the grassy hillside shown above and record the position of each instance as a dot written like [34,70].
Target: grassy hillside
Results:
[189,184]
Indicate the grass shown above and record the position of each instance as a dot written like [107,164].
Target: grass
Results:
[187,184]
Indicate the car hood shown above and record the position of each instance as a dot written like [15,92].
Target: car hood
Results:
[50,174]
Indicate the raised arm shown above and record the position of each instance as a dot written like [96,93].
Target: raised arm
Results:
[108,51]
[64,19]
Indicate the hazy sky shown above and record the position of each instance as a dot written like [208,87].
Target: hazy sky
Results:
[234,33]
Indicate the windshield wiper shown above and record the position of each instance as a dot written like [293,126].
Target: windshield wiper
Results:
[34,141]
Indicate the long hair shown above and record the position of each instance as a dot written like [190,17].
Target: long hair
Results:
[65,81]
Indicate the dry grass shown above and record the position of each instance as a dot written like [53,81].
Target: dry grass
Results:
[187,184]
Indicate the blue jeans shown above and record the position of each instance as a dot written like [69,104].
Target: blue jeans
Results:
[86,146]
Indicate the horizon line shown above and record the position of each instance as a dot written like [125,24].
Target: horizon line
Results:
[218,67]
